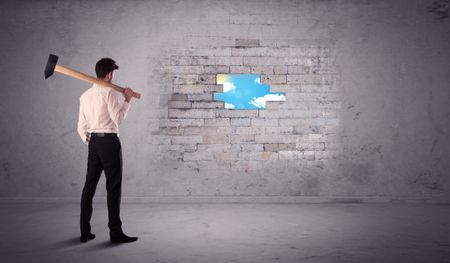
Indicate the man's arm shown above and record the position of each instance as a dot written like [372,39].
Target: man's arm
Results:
[116,111]
[82,126]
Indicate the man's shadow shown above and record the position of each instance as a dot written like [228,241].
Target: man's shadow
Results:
[104,244]
[93,244]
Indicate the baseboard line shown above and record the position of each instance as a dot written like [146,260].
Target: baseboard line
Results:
[238,199]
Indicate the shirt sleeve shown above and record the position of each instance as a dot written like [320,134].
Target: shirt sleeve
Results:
[116,111]
[82,126]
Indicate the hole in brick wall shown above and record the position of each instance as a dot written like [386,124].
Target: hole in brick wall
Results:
[245,91]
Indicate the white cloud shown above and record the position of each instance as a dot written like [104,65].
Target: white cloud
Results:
[229,105]
[228,87]
[257,81]
[260,102]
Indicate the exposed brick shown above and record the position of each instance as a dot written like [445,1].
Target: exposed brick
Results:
[172,131]
[186,139]
[239,69]
[182,122]
[274,147]
[177,147]
[222,156]
[309,121]
[251,147]
[273,79]
[179,104]
[262,69]
[208,105]
[247,42]
[236,113]
[189,88]
[219,147]
[191,113]
[200,130]
[200,97]
[270,61]
[303,127]
[251,52]
[274,138]
[190,60]
[198,155]
[308,61]
[229,61]
[240,121]
[270,42]
[185,79]
[213,139]
[214,88]
[280,70]
[263,156]
[240,138]
[284,88]
[185,69]
[217,122]
[207,79]
[264,122]
[249,130]
[275,113]
[310,146]
[271,147]
[276,104]
[289,155]
[176,96]
[279,130]
[278,52]
[205,52]
[216,69]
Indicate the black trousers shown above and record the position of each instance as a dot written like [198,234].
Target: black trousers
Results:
[105,154]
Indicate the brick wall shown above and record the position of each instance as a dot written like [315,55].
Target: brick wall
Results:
[301,129]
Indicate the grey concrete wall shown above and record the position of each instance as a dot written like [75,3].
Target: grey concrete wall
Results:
[366,113]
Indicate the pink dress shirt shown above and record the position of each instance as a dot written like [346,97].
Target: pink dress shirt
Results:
[100,111]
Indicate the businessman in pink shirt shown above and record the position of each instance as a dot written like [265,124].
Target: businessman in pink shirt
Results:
[98,126]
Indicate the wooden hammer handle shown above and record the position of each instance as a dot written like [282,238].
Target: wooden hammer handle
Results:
[85,77]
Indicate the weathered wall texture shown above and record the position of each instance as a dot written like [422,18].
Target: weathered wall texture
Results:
[367,86]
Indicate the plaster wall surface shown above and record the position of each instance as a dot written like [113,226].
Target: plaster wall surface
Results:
[366,114]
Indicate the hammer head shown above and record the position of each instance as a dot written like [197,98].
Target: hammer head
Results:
[51,64]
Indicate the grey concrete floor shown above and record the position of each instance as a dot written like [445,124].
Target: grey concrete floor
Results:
[48,232]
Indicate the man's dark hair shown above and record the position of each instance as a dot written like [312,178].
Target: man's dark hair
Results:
[104,66]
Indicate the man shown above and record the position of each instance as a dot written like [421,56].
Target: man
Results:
[98,126]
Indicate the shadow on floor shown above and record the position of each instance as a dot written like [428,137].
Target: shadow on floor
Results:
[91,244]
[104,245]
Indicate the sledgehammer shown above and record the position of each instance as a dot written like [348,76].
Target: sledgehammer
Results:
[52,66]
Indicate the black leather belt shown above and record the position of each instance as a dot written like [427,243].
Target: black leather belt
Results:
[102,134]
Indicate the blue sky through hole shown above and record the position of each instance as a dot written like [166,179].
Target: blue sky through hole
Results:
[245,91]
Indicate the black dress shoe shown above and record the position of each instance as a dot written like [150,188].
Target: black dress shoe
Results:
[122,238]
[85,238]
